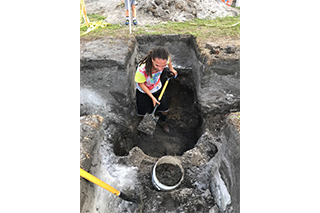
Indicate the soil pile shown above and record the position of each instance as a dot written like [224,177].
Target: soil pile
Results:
[155,11]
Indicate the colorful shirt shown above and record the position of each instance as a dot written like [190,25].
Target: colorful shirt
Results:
[153,83]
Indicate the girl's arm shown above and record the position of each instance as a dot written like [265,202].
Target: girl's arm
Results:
[147,91]
[171,68]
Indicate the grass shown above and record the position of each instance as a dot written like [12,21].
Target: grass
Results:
[201,28]
[92,18]
[197,27]
[96,17]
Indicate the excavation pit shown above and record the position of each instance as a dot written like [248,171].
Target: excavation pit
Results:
[183,120]
[199,100]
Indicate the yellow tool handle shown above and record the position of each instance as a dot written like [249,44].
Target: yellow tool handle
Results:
[164,88]
[99,182]
[83,8]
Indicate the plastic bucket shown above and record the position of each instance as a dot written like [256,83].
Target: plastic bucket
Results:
[228,2]
[169,160]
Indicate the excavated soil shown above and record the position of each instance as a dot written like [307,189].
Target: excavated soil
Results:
[168,174]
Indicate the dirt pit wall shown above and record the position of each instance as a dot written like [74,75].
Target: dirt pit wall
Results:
[200,99]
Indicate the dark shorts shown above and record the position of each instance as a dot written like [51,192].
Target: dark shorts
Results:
[144,103]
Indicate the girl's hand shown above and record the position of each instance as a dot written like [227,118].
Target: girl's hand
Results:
[155,101]
[175,73]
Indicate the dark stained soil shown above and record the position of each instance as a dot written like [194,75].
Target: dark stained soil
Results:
[183,121]
[168,174]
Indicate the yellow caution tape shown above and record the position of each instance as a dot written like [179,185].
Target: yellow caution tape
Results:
[91,25]
[94,25]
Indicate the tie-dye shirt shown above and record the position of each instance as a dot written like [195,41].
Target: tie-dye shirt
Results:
[153,83]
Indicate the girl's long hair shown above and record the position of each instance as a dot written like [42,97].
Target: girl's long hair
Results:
[157,52]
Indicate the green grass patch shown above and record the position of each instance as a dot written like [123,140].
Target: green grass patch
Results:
[96,17]
[202,28]
[226,26]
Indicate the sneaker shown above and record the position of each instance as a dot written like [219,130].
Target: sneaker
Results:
[127,21]
[135,22]
[164,126]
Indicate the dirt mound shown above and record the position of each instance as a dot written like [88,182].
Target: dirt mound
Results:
[155,11]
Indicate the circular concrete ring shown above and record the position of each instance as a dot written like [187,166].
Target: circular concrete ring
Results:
[170,160]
